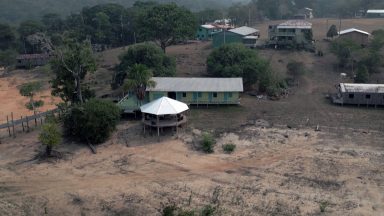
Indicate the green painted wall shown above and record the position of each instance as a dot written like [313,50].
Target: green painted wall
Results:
[230,37]
[201,97]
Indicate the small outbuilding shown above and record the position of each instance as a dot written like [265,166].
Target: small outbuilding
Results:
[246,35]
[205,32]
[359,94]
[374,13]
[198,91]
[358,36]
[32,60]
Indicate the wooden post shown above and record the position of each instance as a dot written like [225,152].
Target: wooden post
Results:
[22,123]
[34,116]
[9,129]
[41,120]
[13,125]
[27,123]
[158,129]
[143,119]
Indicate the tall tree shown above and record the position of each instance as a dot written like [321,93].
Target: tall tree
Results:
[71,63]
[166,24]
[7,36]
[52,22]
[139,78]
[147,54]
[332,31]
[29,90]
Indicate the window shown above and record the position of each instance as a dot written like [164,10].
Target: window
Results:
[368,96]
[199,94]
[351,96]
[184,94]
[229,94]
[215,94]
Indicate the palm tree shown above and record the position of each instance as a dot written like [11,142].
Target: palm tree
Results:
[139,78]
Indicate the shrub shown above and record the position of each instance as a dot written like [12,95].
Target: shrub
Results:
[207,143]
[34,104]
[323,205]
[362,75]
[208,210]
[50,136]
[229,148]
[92,122]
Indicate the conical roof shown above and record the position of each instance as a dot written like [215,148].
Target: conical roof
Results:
[164,106]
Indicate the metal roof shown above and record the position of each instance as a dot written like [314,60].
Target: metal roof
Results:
[361,88]
[352,30]
[32,56]
[375,11]
[186,84]
[295,24]
[244,30]
[208,26]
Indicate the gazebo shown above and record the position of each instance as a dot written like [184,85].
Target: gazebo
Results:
[164,112]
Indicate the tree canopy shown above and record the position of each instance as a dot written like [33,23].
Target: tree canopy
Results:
[235,60]
[147,54]
[139,78]
[50,136]
[332,31]
[70,64]
[92,122]
[166,24]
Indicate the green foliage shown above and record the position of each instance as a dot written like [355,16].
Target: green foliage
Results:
[147,54]
[295,69]
[8,57]
[29,27]
[208,210]
[229,148]
[344,49]
[92,122]
[139,78]
[166,24]
[31,105]
[52,23]
[362,75]
[50,136]
[7,36]
[30,89]
[332,31]
[235,60]
[70,64]
[323,205]
[208,143]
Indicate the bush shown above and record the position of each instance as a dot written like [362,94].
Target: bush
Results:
[229,148]
[92,122]
[323,205]
[50,136]
[35,104]
[362,75]
[235,60]
[207,143]
[208,210]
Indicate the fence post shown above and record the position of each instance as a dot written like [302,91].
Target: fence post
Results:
[27,123]
[22,123]
[13,126]
[34,116]
[9,129]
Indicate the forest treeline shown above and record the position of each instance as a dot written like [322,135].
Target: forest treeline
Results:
[15,11]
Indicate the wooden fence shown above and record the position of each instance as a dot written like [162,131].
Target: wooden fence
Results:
[26,122]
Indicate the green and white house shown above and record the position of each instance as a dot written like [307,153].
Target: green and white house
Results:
[245,35]
[193,91]
[205,32]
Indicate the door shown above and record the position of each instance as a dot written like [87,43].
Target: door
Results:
[210,95]
[226,96]
[195,95]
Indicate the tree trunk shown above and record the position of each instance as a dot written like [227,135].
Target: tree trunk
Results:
[48,150]
[78,90]
[163,46]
